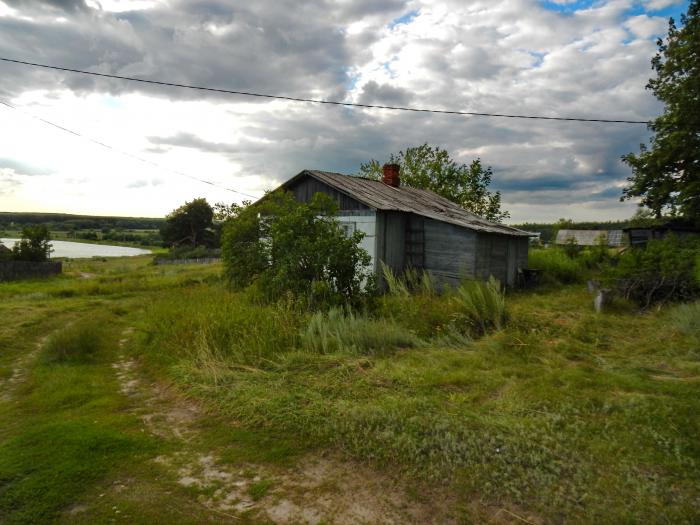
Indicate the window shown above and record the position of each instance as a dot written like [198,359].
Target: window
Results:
[348,228]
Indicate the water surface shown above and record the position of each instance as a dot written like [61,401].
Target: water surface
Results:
[77,250]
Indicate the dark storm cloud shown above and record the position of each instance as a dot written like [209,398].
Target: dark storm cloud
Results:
[48,5]
[287,47]
[188,140]
[373,93]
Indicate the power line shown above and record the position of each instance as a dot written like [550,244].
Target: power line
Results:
[321,101]
[130,155]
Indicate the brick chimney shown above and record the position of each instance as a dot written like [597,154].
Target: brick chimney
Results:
[391,175]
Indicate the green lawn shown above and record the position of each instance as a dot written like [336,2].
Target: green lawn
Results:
[563,416]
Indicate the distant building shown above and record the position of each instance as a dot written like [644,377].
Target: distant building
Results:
[409,227]
[613,238]
[639,236]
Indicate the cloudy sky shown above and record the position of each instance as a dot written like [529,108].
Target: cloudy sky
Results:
[572,58]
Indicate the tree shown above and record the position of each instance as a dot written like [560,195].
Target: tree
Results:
[431,168]
[298,248]
[666,175]
[190,224]
[35,244]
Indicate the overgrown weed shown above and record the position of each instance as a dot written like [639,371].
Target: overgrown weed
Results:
[341,330]
[79,342]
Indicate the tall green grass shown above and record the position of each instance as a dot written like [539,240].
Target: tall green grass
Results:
[414,302]
[218,326]
[685,318]
[557,266]
[339,330]
[481,305]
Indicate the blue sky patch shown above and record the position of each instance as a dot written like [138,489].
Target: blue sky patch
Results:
[637,9]
[403,19]
[569,7]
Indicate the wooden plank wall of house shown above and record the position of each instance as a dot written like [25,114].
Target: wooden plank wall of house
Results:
[391,239]
[449,251]
[500,256]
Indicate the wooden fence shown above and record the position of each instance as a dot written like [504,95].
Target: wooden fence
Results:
[16,270]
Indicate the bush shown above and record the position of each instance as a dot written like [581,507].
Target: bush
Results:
[80,342]
[557,266]
[665,270]
[34,245]
[289,247]
[343,331]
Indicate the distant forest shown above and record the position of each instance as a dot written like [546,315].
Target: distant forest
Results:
[68,222]
[547,229]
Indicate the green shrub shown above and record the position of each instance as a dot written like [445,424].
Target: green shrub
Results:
[556,265]
[80,342]
[664,271]
[343,331]
[481,306]
[299,248]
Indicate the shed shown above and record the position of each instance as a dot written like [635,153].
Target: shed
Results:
[408,227]
[613,238]
[640,235]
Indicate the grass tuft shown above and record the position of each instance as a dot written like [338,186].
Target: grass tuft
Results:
[343,331]
[80,342]
[481,305]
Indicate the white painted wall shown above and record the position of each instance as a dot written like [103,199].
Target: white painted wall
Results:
[366,224]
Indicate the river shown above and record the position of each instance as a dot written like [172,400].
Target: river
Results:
[77,250]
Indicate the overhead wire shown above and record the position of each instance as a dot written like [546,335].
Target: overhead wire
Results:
[125,153]
[322,101]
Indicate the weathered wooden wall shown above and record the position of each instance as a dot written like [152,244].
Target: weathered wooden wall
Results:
[450,251]
[501,256]
[391,239]
[16,270]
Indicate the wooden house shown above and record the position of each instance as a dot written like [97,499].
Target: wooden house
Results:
[408,227]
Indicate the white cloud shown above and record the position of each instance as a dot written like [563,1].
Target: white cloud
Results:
[512,56]
[655,5]
[644,26]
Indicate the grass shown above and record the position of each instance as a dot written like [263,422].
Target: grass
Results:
[577,416]
[546,406]
[344,331]
[557,266]
[68,438]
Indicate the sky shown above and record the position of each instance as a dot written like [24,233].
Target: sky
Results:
[564,58]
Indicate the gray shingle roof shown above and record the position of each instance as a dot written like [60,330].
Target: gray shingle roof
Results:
[590,237]
[380,196]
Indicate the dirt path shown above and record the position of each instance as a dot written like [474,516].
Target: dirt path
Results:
[19,372]
[318,489]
